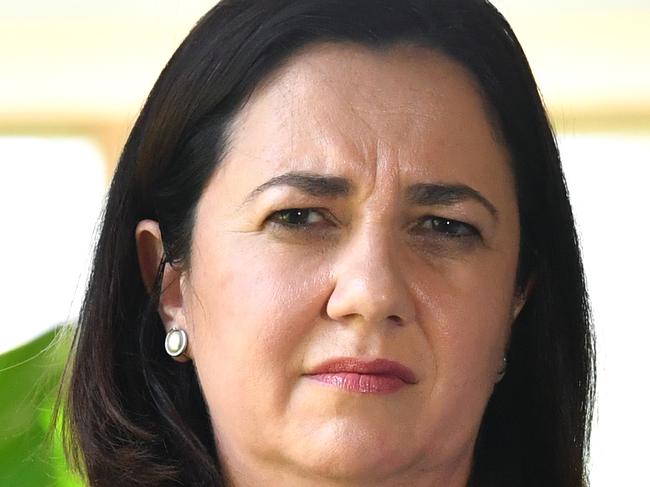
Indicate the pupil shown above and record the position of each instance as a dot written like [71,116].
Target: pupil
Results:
[296,217]
[447,225]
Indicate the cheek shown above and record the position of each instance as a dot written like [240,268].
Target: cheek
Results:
[467,309]
[251,319]
[465,315]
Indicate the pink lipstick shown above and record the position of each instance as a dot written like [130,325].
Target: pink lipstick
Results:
[379,376]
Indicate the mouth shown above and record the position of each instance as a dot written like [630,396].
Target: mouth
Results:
[379,376]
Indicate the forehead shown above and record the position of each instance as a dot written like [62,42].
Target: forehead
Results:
[347,110]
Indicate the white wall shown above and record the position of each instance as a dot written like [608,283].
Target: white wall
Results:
[51,191]
[608,180]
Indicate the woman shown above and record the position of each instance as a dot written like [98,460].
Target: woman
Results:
[337,250]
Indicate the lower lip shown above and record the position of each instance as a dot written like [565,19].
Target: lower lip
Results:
[364,383]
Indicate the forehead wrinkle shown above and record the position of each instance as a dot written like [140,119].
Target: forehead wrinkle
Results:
[361,101]
[317,126]
[307,63]
[284,86]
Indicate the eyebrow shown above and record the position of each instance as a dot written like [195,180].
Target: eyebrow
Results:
[312,184]
[421,194]
[429,194]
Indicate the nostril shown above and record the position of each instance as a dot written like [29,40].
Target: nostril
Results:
[396,319]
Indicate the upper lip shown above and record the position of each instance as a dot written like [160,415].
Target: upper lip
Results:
[379,366]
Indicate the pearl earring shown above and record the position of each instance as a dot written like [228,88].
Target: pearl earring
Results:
[175,342]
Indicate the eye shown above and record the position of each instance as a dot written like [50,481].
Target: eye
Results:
[296,218]
[447,227]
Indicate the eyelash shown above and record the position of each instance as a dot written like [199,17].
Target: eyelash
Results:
[463,230]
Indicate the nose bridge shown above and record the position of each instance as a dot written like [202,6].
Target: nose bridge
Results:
[368,284]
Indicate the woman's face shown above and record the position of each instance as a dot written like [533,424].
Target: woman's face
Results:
[405,249]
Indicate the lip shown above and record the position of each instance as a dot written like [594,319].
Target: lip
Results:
[367,376]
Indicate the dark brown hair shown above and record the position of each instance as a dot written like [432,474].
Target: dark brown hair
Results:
[136,417]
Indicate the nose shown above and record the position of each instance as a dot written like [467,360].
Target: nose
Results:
[368,286]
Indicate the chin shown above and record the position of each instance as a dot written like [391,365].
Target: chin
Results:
[345,451]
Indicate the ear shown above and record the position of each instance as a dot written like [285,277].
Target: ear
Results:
[521,296]
[150,255]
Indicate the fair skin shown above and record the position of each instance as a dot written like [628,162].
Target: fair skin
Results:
[372,273]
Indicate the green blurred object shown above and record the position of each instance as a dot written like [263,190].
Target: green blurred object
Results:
[29,379]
